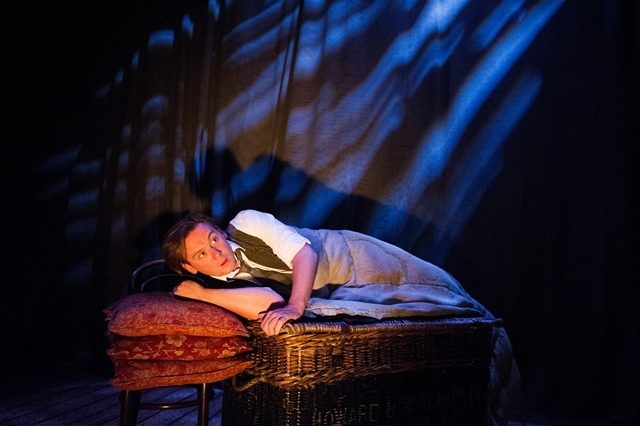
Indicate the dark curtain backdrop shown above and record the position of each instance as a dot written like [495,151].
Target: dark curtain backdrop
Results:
[496,139]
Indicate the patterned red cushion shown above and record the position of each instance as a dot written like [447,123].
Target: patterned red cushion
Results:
[146,314]
[137,375]
[176,347]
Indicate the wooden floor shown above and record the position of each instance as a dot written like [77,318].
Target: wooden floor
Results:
[92,401]
[86,399]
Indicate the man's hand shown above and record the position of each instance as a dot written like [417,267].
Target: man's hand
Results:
[305,263]
[190,290]
[273,321]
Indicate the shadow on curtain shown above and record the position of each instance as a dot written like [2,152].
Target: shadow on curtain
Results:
[369,116]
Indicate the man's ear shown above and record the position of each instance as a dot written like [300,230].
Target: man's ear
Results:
[189,268]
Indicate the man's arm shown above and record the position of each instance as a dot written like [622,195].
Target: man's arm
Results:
[248,302]
[284,240]
[305,264]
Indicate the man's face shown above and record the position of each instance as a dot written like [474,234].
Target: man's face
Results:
[208,251]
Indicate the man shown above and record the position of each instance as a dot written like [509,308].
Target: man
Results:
[358,273]
[323,272]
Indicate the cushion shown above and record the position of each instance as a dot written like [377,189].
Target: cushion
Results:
[153,313]
[176,347]
[137,375]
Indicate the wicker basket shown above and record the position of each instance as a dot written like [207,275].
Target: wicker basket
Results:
[390,372]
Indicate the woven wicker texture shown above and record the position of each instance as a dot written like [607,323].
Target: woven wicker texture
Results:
[452,396]
[307,353]
[391,372]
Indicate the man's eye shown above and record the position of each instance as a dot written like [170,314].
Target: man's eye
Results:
[214,240]
[201,254]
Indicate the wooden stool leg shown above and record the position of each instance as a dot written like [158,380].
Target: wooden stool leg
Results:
[204,396]
[129,407]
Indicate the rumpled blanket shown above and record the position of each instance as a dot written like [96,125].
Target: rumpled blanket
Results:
[392,301]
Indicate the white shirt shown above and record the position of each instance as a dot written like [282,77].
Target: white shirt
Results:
[283,240]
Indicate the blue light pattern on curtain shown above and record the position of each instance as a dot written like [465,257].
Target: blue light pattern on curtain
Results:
[387,118]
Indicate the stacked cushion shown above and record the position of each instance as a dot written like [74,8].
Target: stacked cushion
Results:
[157,340]
[176,347]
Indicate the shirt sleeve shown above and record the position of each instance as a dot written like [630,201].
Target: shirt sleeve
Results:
[283,240]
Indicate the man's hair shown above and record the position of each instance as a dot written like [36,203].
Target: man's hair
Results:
[174,251]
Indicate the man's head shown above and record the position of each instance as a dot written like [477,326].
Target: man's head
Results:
[196,244]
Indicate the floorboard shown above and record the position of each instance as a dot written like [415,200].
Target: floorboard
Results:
[90,401]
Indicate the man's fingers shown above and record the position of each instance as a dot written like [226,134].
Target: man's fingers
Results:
[188,289]
[176,289]
[272,322]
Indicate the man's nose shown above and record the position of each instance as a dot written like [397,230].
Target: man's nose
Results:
[215,252]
